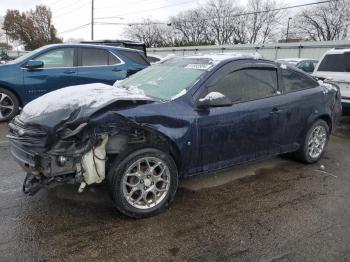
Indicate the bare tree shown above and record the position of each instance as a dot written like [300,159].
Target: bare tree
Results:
[329,21]
[262,21]
[2,33]
[192,25]
[220,19]
[152,33]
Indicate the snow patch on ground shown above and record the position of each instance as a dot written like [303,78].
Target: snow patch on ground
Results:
[92,95]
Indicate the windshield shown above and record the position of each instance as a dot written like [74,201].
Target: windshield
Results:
[25,56]
[167,80]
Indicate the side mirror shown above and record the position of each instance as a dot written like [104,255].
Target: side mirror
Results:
[34,64]
[213,99]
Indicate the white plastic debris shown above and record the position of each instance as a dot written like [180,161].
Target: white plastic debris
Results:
[93,163]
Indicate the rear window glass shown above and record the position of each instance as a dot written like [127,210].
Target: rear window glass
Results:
[295,81]
[335,63]
[135,57]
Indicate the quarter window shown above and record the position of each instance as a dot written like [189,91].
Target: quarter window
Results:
[63,57]
[295,81]
[247,84]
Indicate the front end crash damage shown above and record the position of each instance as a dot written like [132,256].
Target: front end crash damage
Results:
[77,155]
[67,146]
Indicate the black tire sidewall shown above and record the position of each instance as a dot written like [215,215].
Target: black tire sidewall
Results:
[15,103]
[306,155]
[116,175]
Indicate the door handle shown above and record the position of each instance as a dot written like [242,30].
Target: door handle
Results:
[116,70]
[68,72]
[275,110]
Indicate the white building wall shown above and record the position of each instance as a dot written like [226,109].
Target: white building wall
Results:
[312,50]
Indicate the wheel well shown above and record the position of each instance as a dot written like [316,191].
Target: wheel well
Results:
[15,93]
[138,138]
[328,120]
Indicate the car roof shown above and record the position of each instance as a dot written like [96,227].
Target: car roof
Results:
[217,58]
[94,46]
[297,60]
[338,51]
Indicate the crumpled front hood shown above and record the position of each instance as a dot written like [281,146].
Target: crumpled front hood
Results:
[75,102]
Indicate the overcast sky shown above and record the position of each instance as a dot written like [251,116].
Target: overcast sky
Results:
[69,14]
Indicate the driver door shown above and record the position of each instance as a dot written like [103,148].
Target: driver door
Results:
[59,71]
[251,127]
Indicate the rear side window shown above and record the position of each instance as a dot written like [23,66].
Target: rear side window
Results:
[247,84]
[335,63]
[135,57]
[97,57]
[295,81]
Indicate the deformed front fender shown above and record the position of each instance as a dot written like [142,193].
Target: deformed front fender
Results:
[162,131]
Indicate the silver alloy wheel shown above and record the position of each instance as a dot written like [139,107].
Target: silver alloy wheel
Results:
[317,141]
[6,106]
[146,182]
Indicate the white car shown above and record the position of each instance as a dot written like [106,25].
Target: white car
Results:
[335,67]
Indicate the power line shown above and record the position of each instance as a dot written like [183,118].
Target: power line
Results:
[67,6]
[166,6]
[71,11]
[235,15]
[74,29]
[56,2]
[135,2]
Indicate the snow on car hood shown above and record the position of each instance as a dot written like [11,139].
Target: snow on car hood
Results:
[59,105]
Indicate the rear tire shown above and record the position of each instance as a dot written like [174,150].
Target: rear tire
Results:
[9,105]
[143,183]
[315,142]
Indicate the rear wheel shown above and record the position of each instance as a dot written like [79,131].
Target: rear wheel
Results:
[9,105]
[315,142]
[143,183]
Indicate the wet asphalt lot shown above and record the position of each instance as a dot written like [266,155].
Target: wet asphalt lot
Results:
[276,210]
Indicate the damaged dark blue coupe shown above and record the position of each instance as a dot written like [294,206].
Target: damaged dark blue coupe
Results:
[181,117]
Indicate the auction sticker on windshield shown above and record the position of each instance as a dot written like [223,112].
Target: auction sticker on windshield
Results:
[199,66]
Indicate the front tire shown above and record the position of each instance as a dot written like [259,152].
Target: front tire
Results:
[315,142]
[9,105]
[144,183]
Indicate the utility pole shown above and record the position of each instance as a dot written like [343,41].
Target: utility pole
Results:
[92,19]
[287,36]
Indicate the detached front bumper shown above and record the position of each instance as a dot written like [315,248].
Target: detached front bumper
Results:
[41,164]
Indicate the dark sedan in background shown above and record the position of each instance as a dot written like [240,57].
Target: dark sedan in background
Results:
[55,66]
[181,117]
[307,65]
